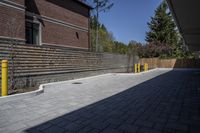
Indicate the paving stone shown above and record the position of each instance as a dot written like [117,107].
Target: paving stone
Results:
[160,100]
[159,126]
[115,121]
[16,126]
[144,123]
[149,130]
[194,129]
[86,130]
[74,127]
[64,123]
[128,128]
[33,131]
[99,125]
[110,130]
[44,126]
[177,126]
[54,129]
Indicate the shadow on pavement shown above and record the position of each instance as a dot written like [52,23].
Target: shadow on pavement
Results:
[169,103]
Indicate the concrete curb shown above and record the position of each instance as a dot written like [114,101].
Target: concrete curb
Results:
[22,95]
[132,74]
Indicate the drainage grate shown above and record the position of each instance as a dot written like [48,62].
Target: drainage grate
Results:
[77,83]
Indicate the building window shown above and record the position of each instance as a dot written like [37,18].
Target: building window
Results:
[77,35]
[32,33]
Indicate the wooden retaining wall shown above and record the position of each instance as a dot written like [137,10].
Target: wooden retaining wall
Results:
[171,63]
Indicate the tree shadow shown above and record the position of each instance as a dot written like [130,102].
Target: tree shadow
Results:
[166,103]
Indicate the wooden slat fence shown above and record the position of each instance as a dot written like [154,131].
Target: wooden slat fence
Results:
[171,63]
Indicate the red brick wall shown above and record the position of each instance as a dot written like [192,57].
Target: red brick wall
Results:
[21,2]
[12,22]
[67,11]
[57,34]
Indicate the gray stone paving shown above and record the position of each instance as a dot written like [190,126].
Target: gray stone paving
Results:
[161,101]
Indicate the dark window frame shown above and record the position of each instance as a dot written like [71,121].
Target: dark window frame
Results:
[32,33]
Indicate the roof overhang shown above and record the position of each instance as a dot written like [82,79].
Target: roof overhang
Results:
[187,18]
[84,4]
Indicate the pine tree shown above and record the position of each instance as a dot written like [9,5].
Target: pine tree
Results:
[162,27]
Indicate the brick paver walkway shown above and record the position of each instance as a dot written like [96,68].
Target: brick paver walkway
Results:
[156,102]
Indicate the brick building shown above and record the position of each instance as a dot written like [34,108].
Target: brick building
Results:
[45,22]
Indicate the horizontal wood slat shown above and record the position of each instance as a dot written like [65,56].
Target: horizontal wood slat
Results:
[36,60]
[171,63]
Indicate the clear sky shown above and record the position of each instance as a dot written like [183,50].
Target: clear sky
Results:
[127,20]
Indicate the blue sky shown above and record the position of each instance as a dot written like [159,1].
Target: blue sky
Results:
[127,20]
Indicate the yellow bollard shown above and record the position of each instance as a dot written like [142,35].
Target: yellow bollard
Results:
[135,68]
[139,68]
[147,67]
[4,78]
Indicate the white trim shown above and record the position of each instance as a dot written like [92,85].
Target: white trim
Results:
[40,34]
[63,45]
[9,5]
[56,21]
[11,38]
[14,3]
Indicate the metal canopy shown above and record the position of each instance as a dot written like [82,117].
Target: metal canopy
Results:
[187,16]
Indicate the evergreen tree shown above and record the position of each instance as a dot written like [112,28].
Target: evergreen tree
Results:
[162,27]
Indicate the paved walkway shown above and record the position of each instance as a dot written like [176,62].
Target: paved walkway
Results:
[156,102]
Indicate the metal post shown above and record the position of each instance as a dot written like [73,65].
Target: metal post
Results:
[147,67]
[4,78]
[135,67]
[139,68]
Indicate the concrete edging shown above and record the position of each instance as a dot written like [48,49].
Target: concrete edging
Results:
[24,95]
[137,73]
